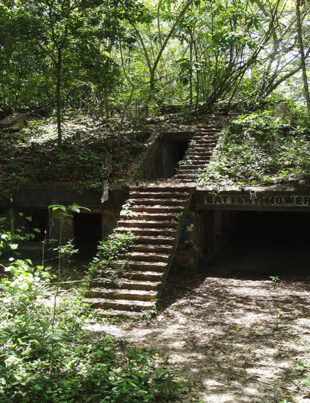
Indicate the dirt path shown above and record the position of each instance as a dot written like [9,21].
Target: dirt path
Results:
[238,339]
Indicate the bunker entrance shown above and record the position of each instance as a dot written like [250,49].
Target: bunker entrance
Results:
[173,152]
[87,234]
[273,243]
[40,221]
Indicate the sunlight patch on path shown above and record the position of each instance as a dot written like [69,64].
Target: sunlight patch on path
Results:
[237,340]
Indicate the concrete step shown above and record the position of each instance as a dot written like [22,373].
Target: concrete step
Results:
[201,160]
[207,129]
[119,294]
[146,223]
[203,144]
[158,209]
[194,170]
[147,275]
[157,202]
[202,141]
[160,248]
[148,239]
[185,179]
[198,154]
[204,137]
[148,231]
[127,284]
[142,272]
[196,165]
[196,159]
[148,257]
[162,195]
[193,166]
[121,305]
[140,215]
[106,313]
[160,187]
[206,150]
[187,175]
[144,265]
[141,264]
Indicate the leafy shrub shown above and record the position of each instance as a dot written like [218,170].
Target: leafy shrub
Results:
[46,356]
[109,251]
[261,148]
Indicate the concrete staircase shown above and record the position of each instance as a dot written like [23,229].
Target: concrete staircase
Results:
[198,154]
[155,220]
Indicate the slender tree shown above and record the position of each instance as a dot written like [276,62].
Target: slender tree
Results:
[302,54]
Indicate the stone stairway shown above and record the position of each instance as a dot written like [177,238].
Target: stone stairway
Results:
[198,154]
[155,220]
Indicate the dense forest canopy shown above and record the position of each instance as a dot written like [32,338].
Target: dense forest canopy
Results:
[108,55]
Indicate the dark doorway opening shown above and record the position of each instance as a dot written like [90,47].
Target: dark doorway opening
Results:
[273,243]
[40,222]
[87,234]
[173,152]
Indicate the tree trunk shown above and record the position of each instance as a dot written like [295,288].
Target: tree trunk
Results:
[58,98]
[302,56]
[191,71]
[106,105]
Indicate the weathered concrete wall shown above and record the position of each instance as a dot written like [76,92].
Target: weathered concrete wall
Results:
[261,199]
[161,157]
[213,230]
[41,196]
[109,220]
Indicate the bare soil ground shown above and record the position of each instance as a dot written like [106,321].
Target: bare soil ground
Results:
[237,338]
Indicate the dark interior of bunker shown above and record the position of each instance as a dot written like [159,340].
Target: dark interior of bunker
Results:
[163,161]
[87,234]
[271,243]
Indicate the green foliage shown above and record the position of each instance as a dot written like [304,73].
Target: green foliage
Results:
[84,150]
[46,356]
[83,370]
[275,279]
[126,209]
[10,240]
[116,245]
[303,368]
[110,251]
[262,148]
[59,52]
[112,55]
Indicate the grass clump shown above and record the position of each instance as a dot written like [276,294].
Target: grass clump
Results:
[262,149]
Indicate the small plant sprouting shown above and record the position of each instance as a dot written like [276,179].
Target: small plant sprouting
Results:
[153,311]
[275,279]
[185,162]
[177,217]
[126,209]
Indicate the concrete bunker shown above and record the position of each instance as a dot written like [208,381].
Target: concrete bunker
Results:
[30,209]
[162,158]
[269,239]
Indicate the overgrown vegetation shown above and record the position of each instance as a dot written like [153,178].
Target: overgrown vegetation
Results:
[111,255]
[262,149]
[31,154]
[45,355]
[115,56]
